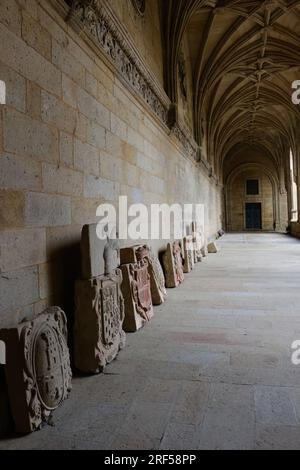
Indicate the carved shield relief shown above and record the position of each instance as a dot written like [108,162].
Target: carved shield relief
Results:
[38,366]
[142,289]
[136,289]
[138,253]
[98,332]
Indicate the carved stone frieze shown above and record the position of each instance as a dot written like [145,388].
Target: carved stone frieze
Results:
[136,289]
[173,265]
[98,332]
[188,143]
[157,278]
[95,18]
[38,372]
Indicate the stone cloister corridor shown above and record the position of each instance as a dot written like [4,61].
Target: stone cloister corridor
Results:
[149,224]
[213,370]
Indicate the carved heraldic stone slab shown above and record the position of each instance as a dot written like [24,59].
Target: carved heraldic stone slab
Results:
[98,333]
[37,368]
[136,289]
[99,314]
[157,278]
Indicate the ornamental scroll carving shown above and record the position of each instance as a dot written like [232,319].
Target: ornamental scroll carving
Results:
[38,368]
[95,20]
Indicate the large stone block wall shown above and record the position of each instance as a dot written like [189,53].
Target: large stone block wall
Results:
[72,136]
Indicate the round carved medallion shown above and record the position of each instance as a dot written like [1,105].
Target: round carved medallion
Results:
[140,6]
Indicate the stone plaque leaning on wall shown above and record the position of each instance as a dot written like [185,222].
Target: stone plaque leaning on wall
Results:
[99,314]
[136,289]
[188,248]
[37,369]
[197,242]
[173,264]
[157,279]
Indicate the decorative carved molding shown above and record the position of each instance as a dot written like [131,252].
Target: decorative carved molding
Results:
[96,22]
[188,143]
[96,19]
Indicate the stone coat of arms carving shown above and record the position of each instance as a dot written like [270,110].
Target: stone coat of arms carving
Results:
[136,289]
[98,332]
[99,313]
[38,372]
[157,279]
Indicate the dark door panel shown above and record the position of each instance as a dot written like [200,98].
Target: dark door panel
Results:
[253,216]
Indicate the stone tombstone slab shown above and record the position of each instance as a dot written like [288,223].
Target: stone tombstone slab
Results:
[157,278]
[98,329]
[136,289]
[37,369]
[212,247]
[188,249]
[173,265]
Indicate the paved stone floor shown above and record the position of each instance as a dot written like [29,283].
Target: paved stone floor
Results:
[212,371]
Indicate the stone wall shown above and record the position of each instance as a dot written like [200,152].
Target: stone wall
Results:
[72,135]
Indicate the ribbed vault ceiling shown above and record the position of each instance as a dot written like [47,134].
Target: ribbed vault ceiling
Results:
[245,56]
